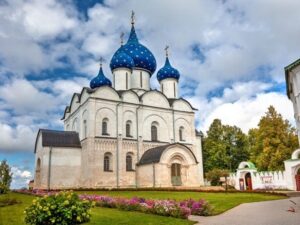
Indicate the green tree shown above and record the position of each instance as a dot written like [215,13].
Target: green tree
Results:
[5,177]
[272,142]
[224,147]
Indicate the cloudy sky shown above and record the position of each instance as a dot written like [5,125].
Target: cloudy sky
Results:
[230,53]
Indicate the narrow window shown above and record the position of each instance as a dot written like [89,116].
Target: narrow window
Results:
[104,127]
[114,79]
[126,81]
[162,88]
[153,133]
[174,90]
[128,129]
[106,163]
[181,130]
[129,163]
[141,79]
[84,129]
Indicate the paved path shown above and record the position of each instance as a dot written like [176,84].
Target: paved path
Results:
[259,213]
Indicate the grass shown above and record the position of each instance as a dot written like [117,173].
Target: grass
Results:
[14,215]
[220,201]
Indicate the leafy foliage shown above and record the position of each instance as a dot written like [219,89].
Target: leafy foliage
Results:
[64,208]
[214,176]
[272,142]
[5,177]
[224,147]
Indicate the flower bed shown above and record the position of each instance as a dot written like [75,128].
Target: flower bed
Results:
[171,208]
[178,209]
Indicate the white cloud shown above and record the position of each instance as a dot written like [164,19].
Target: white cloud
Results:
[242,105]
[20,138]
[21,96]
[235,39]
[20,177]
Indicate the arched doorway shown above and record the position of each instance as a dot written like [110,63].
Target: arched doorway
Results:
[297,177]
[176,174]
[38,173]
[248,181]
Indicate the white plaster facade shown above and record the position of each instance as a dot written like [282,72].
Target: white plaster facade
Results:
[83,167]
[116,126]
[248,178]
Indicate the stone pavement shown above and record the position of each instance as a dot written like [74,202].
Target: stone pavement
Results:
[258,213]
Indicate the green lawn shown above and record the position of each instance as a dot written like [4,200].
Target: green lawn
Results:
[13,215]
[220,201]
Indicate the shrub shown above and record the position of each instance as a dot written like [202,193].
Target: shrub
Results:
[9,201]
[214,176]
[5,177]
[64,208]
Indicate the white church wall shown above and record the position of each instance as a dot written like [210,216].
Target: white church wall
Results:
[65,168]
[129,116]
[291,168]
[169,87]
[122,79]
[128,178]
[140,79]
[93,149]
[107,111]
[155,98]
[188,134]
[199,155]
[162,119]
[146,175]
[74,105]
[130,96]
[106,92]
[84,95]
[182,105]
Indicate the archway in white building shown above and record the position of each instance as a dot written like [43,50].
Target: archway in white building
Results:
[297,177]
[248,181]
[176,174]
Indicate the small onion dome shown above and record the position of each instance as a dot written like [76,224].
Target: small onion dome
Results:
[167,71]
[121,60]
[142,57]
[100,80]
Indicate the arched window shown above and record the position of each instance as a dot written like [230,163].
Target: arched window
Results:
[84,129]
[154,136]
[128,128]
[104,126]
[75,125]
[107,164]
[181,132]
[129,162]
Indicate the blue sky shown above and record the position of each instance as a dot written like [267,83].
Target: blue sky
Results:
[230,54]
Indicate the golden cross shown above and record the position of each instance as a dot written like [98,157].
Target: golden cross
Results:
[167,52]
[132,17]
[101,61]
[121,37]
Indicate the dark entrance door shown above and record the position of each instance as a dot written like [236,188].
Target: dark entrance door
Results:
[176,174]
[297,177]
[248,181]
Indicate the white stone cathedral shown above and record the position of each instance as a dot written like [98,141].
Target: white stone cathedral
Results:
[123,133]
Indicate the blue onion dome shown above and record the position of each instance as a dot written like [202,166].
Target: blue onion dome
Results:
[100,80]
[167,71]
[121,60]
[142,57]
